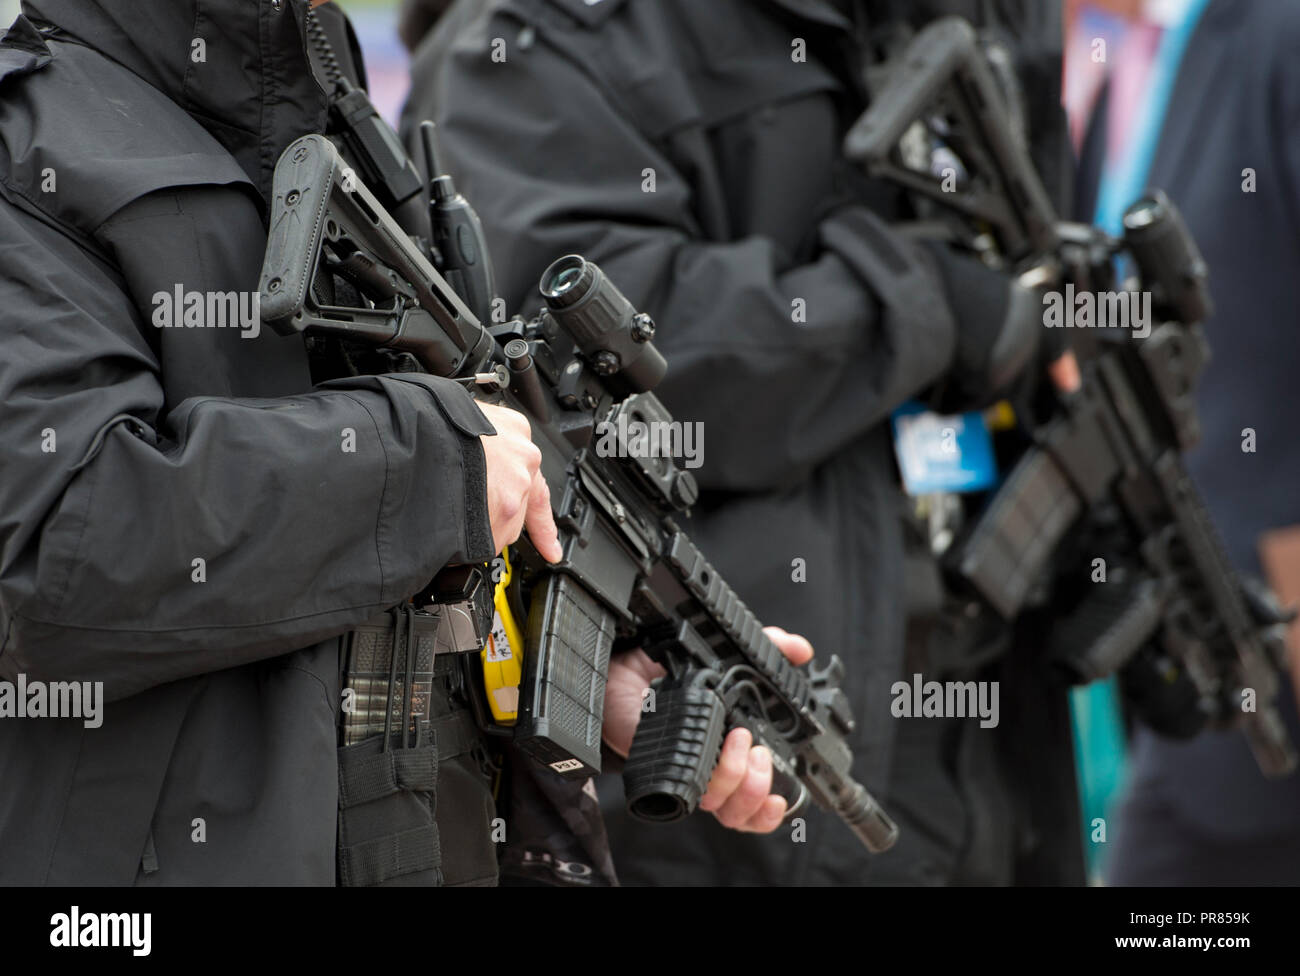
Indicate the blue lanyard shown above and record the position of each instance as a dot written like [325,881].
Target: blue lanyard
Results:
[1124,178]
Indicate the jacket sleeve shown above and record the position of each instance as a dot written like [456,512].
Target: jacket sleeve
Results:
[784,365]
[141,543]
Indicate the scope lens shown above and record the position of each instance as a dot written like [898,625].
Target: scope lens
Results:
[563,275]
[568,281]
[1143,213]
[565,280]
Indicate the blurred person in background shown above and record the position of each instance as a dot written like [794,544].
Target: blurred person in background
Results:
[1203,99]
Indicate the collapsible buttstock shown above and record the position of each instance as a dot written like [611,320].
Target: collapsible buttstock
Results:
[300,192]
[915,82]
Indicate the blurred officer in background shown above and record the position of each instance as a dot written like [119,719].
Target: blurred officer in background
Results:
[1218,84]
[693,149]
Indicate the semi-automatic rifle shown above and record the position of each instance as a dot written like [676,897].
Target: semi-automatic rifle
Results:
[338,265]
[1098,472]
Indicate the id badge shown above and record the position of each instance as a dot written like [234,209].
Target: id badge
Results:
[938,453]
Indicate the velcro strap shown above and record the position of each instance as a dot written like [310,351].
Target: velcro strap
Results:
[362,780]
[417,769]
[375,861]
[454,734]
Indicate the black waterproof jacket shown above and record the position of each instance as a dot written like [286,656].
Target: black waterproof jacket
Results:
[680,145]
[137,140]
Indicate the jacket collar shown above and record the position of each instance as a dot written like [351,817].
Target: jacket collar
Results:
[239,67]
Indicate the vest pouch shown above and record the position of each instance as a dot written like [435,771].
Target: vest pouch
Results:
[411,783]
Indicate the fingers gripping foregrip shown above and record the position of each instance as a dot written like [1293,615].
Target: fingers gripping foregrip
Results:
[676,748]
[674,751]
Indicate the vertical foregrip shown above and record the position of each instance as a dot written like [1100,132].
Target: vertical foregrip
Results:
[674,751]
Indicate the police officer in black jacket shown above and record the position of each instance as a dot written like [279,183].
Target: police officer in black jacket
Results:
[185,519]
[692,148]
